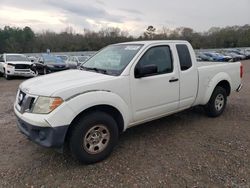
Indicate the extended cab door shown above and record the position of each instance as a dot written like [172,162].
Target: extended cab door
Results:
[156,94]
[188,75]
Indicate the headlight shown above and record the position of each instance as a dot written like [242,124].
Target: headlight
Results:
[10,66]
[45,105]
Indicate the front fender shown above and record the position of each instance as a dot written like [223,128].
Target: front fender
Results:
[213,83]
[89,99]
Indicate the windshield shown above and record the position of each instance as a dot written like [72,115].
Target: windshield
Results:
[112,59]
[16,58]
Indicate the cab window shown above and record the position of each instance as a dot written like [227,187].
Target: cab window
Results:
[184,56]
[159,56]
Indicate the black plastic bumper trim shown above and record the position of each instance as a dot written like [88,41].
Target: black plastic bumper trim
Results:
[45,136]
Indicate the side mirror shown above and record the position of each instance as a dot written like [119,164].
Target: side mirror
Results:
[147,70]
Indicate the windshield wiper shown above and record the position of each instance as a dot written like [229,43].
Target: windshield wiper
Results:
[95,69]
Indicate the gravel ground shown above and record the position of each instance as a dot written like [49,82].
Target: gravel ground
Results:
[187,149]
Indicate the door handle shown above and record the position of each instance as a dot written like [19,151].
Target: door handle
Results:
[174,80]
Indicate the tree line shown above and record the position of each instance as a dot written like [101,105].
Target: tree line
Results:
[25,40]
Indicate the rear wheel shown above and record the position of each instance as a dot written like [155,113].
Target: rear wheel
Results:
[217,102]
[93,137]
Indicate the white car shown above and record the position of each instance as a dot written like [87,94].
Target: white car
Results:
[123,85]
[16,65]
[75,61]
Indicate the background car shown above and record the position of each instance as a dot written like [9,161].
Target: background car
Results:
[63,57]
[240,55]
[204,57]
[235,57]
[48,63]
[76,61]
[32,58]
[225,57]
[16,65]
[214,56]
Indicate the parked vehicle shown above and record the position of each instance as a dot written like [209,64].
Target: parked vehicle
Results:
[71,62]
[123,85]
[235,57]
[63,57]
[226,58]
[48,63]
[214,56]
[204,57]
[16,65]
[240,55]
[247,54]
[75,61]
[82,59]
[32,58]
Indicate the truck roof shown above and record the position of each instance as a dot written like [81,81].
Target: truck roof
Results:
[147,42]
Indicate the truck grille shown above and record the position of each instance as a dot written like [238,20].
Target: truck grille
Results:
[22,70]
[22,66]
[25,102]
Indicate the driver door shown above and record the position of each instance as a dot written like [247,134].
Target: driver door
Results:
[158,94]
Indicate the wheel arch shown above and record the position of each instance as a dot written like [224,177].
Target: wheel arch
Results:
[221,79]
[226,85]
[111,110]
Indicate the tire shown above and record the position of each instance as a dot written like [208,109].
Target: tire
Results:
[217,103]
[45,71]
[6,76]
[85,142]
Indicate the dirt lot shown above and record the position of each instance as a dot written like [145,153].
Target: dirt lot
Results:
[186,149]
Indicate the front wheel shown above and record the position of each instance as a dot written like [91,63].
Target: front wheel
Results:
[217,102]
[6,76]
[45,71]
[93,137]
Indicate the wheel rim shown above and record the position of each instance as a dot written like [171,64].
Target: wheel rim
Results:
[96,139]
[219,102]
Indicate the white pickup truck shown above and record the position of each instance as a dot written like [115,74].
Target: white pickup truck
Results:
[16,65]
[123,85]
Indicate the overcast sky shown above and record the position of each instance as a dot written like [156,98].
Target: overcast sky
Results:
[130,15]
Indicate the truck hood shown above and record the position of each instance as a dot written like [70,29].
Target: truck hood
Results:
[20,62]
[47,85]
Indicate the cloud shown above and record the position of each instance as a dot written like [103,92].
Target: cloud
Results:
[86,11]
[133,11]
[100,2]
[130,15]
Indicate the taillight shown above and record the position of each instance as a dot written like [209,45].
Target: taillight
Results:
[241,71]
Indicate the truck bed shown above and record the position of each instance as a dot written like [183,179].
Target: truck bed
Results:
[210,72]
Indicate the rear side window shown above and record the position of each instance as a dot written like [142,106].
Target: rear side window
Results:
[184,56]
